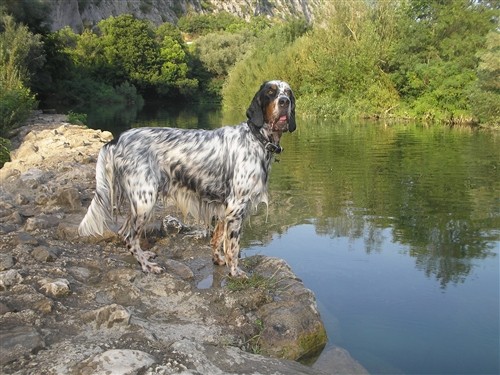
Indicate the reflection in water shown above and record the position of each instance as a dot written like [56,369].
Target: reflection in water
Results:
[395,228]
[435,189]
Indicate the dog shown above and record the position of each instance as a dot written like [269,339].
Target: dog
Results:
[217,175]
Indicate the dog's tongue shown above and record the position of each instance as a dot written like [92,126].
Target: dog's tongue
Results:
[283,118]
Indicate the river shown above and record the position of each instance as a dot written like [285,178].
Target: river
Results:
[395,227]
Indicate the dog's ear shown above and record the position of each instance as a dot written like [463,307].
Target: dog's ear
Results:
[292,125]
[255,114]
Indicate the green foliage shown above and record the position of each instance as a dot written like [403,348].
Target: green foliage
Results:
[4,151]
[485,95]
[129,46]
[434,59]
[32,13]
[407,58]
[16,99]
[77,118]
[271,56]
[202,24]
[21,48]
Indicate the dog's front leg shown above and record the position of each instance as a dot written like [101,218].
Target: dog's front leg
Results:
[234,222]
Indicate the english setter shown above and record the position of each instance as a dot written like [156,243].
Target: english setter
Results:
[211,174]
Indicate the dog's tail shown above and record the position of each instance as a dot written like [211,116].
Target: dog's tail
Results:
[100,210]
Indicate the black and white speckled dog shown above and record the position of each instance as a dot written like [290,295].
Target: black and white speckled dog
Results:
[211,174]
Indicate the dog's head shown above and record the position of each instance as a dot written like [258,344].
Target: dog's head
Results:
[273,106]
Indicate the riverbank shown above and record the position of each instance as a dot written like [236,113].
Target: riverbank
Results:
[74,305]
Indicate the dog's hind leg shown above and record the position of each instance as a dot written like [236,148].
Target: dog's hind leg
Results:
[217,242]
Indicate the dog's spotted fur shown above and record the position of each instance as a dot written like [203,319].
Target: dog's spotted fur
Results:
[211,174]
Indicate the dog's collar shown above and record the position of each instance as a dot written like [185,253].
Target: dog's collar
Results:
[269,146]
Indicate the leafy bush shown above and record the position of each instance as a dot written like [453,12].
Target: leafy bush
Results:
[16,101]
[77,118]
[4,151]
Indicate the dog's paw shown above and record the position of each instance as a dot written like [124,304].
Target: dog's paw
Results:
[149,255]
[238,273]
[218,260]
[151,267]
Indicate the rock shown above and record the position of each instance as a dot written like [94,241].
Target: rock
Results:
[6,262]
[23,238]
[338,361]
[18,342]
[119,361]
[55,288]
[9,278]
[68,198]
[45,254]
[7,228]
[20,199]
[4,308]
[210,359]
[41,222]
[291,324]
[109,316]
[33,177]
[178,269]
[291,330]
[121,275]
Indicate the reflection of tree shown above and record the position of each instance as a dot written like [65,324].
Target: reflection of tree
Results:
[433,187]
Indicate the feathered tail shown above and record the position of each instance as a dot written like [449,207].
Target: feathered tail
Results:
[100,210]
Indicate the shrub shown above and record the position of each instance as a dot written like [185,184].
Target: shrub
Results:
[4,151]
[15,106]
[77,118]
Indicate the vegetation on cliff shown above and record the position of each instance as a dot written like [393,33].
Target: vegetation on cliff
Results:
[432,60]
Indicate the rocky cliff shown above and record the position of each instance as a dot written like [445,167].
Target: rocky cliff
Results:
[81,13]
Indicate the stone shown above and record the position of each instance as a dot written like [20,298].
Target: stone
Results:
[17,342]
[119,361]
[45,254]
[338,361]
[9,278]
[291,330]
[23,238]
[4,308]
[55,288]
[41,222]
[109,316]
[178,269]
[6,262]
[68,198]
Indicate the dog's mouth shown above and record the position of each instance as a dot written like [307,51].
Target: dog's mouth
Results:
[280,124]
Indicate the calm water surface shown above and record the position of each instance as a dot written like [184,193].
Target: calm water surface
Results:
[396,230]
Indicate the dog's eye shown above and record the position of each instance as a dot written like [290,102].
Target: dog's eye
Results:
[270,92]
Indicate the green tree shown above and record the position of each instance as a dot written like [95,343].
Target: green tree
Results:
[485,96]
[130,47]
[22,48]
[434,60]
[174,68]
[18,48]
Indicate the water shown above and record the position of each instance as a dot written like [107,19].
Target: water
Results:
[396,230]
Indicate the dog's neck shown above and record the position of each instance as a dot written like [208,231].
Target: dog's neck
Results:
[269,140]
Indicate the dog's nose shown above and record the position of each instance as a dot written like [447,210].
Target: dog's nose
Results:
[283,101]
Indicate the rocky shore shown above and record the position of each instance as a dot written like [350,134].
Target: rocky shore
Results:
[72,305]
